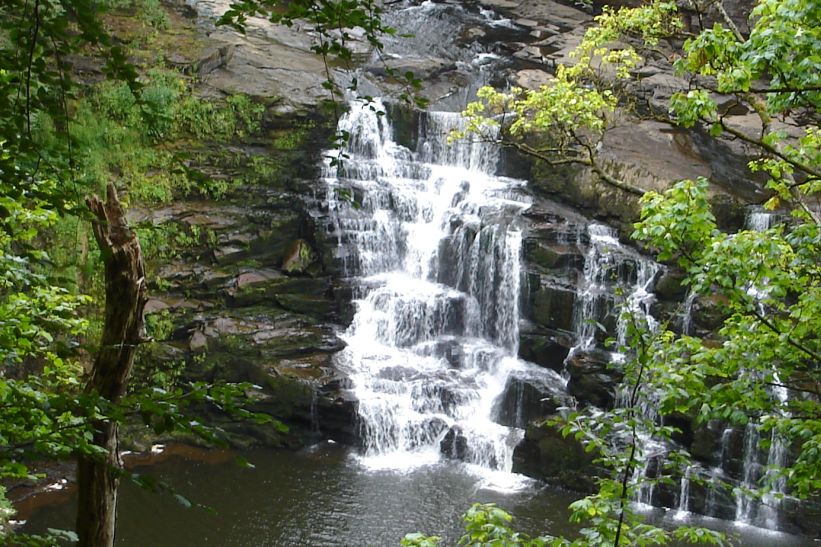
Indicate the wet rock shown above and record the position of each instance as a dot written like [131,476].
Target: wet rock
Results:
[397,373]
[449,349]
[337,417]
[801,517]
[710,312]
[529,395]
[669,286]
[706,442]
[592,380]
[553,256]
[545,350]
[670,313]
[719,501]
[682,425]
[454,444]
[551,305]
[405,124]
[336,384]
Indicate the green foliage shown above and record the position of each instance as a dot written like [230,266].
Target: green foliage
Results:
[239,117]
[60,141]
[152,14]
[770,283]
[782,49]
[419,540]
[564,121]
[485,526]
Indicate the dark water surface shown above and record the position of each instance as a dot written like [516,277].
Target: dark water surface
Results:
[325,497]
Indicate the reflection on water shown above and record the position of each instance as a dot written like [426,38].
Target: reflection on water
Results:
[324,497]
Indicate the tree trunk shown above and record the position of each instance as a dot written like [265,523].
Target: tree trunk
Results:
[123,331]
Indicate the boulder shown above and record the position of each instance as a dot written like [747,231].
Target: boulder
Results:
[454,444]
[529,395]
[337,416]
[592,379]
[669,286]
[547,256]
[550,304]
[544,349]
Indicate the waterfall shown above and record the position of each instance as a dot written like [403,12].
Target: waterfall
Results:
[687,314]
[758,221]
[610,268]
[684,493]
[593,294]
[750,510]
[745,502]
[615,289]
[430,241]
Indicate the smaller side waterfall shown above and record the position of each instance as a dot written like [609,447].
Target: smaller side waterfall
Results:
[684,493]
[745,502]
[611,271]
[740,463]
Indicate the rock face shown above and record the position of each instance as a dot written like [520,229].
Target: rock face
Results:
[249,298]
[592,379]
[454,444]
[269,61]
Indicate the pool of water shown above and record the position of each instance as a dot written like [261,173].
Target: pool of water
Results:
[325,496]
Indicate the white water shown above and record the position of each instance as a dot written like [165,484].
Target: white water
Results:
[684,493]
[750,510]
[432,248]
[431,244]
[609,268]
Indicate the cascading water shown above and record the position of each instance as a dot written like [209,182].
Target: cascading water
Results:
[746,470]
[431,244]
[609,267]
[616,288]
[684,494]
[748,509]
